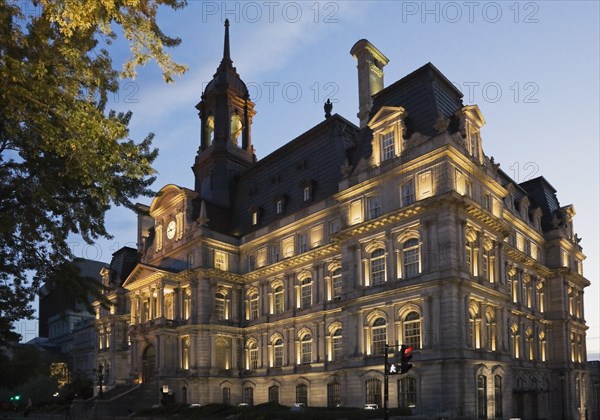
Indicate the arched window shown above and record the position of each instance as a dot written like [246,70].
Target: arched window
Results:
[253,303]
[306,292]
[302,394]
[187,303]
[220,312]
[475,325]
[543,347]
[514,338]
[540,295]
[529,348]
[411,261]
[226,396]
[498,396]
[336,284]
[407,392]
[252,354]
[379,336]
[210,129]
[306,349]
[491,329]
[411,330]
[222,351]
[336,345]
[373,391]
[236,128]
[278,304]
[249,395]
[471,252]
[185,353]
[278,352]
[482,396]
[274,394]
[377,266]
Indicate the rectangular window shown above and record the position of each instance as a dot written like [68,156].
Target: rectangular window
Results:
[306,193]
[374,207]
[279,206]
[261,257]
[288,247]
[334,226]
[274,253]
[278,350]
[254,358]
[373,391]
[220,261]
[520,239]
[336,343]
[251,263]
[316,236]
[334,398]
[407,392]
[302,245]
[254,218]
[425,185]
[356,211]
[462,183]
[278,300]
[407,192]
[306,352]
[387,146]
[254,306]
[336,282]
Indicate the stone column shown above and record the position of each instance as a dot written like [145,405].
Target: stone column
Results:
[161,300]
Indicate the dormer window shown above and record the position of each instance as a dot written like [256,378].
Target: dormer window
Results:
[255,216]
[279,206]
[471,121]
[388,150]
[306,193]
[388,130]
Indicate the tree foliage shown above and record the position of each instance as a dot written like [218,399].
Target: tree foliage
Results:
[64,158]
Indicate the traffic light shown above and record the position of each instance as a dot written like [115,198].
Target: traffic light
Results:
[405,356]
[393,369]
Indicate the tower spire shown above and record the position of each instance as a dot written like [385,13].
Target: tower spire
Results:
[226,54]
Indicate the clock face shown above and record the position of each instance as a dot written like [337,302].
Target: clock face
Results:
[171,229]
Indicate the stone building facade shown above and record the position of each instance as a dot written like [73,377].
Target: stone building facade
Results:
[282,279]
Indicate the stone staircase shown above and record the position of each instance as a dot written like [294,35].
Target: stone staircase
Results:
[120,401]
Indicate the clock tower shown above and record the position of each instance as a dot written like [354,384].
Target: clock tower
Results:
[226,113]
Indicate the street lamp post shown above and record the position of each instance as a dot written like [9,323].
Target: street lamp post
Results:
[100,374]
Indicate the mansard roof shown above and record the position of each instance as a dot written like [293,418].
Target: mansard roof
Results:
[542,195]
[425,94]
[313,159]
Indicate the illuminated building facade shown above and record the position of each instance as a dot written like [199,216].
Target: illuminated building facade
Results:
[283,279]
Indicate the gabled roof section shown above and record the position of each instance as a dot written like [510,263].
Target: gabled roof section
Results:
[169,196]
[385,113]
[145,271]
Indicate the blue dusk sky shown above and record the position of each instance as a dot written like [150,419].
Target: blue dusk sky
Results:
[531,67]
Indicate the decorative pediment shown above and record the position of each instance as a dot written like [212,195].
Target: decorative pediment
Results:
[386,115]
[170,197]
[472,115]
[143,274]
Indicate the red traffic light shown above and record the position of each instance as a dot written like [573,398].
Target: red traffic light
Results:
[407,350]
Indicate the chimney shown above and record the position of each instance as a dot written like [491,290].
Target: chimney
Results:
[370,76]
